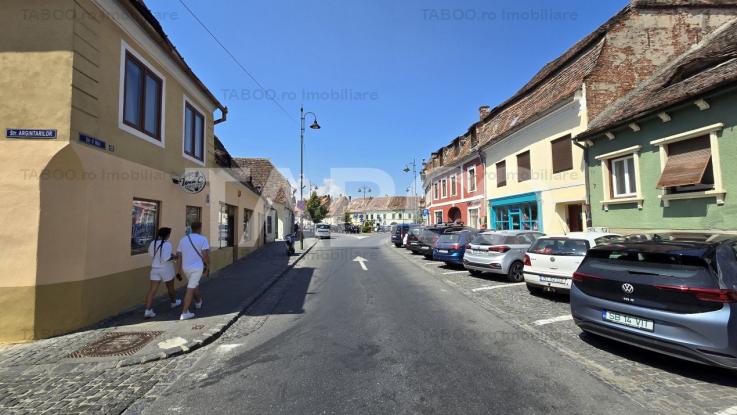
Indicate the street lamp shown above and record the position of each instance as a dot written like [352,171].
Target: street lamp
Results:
[364,189]
[314,126]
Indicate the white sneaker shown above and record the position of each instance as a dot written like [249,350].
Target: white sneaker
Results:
[186,316]
[198,305]
[149,314]
[176,304]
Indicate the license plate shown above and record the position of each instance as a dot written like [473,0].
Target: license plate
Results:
[443,251]
[413,243]
[627,320]
[424,247]
[478,251]
[555,280]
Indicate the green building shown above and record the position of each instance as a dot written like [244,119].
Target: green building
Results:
[664,157]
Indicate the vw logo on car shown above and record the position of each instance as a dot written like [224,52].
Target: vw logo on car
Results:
[628,288]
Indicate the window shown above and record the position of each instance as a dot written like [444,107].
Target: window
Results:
[688,166]
[562,154]
[192,214]
[623,179]
[444,188]
[194,133]
[247,214]
[142,96]
[501,174]
[435,191]
[226,225]
[439,216]
[269,224]
[394,215]
[453,185]
[472,179]
[523,166]
[144,224]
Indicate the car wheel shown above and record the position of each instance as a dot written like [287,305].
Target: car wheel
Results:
[515,272]
[398,245]
[475,272]
[534,290]
[428,256]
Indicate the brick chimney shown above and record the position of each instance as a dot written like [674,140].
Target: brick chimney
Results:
[483,111]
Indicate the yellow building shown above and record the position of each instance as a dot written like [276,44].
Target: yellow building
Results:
[105,125]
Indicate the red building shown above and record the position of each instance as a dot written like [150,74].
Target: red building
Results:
[454,183]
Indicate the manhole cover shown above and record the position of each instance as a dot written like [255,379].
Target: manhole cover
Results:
[116,344]
[198,327]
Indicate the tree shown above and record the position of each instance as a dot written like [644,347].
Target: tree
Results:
[368,226]
[315,208]
[347,217]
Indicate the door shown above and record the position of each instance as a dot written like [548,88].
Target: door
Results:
[574,218]
[515,218]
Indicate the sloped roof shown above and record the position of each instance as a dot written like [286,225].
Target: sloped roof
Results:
[708,65]
[267,178]
[226,161]
[382,203]
[338,206]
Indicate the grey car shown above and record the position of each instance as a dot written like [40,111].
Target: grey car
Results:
[673,293]
[499,252]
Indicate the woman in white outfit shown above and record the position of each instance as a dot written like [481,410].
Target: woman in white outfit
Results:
[162,269]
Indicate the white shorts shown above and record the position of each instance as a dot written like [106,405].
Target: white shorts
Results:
[193,277]
[165,274]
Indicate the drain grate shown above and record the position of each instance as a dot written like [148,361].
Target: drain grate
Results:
[116,344]
[198,327]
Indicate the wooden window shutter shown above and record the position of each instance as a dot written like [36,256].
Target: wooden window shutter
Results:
[562,154]
[523,166]
[687,163]
[501,174]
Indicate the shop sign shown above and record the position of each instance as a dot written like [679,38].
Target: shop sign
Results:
[193,181]
[29,133]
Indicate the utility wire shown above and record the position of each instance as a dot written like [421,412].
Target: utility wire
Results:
[237,62]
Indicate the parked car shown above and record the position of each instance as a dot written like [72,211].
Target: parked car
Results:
[551,260]
[322,230]
[673,294]
[413,234]
[428,236]
[499,252]
[450,247]
[397,234]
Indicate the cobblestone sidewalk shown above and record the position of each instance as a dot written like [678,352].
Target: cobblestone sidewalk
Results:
[128,339]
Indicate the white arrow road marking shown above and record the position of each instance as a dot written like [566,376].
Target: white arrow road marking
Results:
[729,411]
[362,261]
[493,287]
[553,320]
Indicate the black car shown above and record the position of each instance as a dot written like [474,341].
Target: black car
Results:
[397,234]
[428,236]
[413,236]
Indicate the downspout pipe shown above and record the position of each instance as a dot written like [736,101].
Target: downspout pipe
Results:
[223,117]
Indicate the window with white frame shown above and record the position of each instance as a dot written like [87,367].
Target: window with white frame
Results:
[141,97]
[194,132]
[435,191]
[444,188]
[438,216]
[472,179]
[623,179]
[473,217]
[453,186]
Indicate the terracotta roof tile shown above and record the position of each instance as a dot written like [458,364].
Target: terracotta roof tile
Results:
[267,178]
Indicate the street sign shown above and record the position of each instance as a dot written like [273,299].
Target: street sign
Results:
[425,212]
[29,133]
[92,141]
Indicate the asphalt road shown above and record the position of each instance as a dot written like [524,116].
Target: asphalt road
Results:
[333,338]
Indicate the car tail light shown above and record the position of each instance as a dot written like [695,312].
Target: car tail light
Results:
[580,277]
[528,263]
[499,248]
[455,246]
[716,295]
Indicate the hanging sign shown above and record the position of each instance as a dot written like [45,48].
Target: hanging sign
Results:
[193,181]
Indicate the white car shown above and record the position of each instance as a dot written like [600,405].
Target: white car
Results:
[322,230]
[551,260]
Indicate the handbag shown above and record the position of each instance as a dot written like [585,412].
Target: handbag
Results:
[205,271]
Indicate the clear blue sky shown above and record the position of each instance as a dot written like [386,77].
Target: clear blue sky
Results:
[421,68]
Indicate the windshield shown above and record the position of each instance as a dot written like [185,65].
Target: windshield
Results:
[323,227]
[493,239]
[560,246]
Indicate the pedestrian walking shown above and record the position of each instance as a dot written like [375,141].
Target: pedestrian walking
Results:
[193,261]
[162,269]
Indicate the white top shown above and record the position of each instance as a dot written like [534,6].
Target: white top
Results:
[163,253]
[190,259]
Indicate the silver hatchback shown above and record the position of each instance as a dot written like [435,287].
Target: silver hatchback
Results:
[499,252]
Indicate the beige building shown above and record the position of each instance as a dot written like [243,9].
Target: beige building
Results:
[105,130]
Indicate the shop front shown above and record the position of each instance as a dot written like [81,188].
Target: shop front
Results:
[519,212]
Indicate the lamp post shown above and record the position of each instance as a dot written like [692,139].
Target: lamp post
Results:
[414,182]
[314,126]
[364,189]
